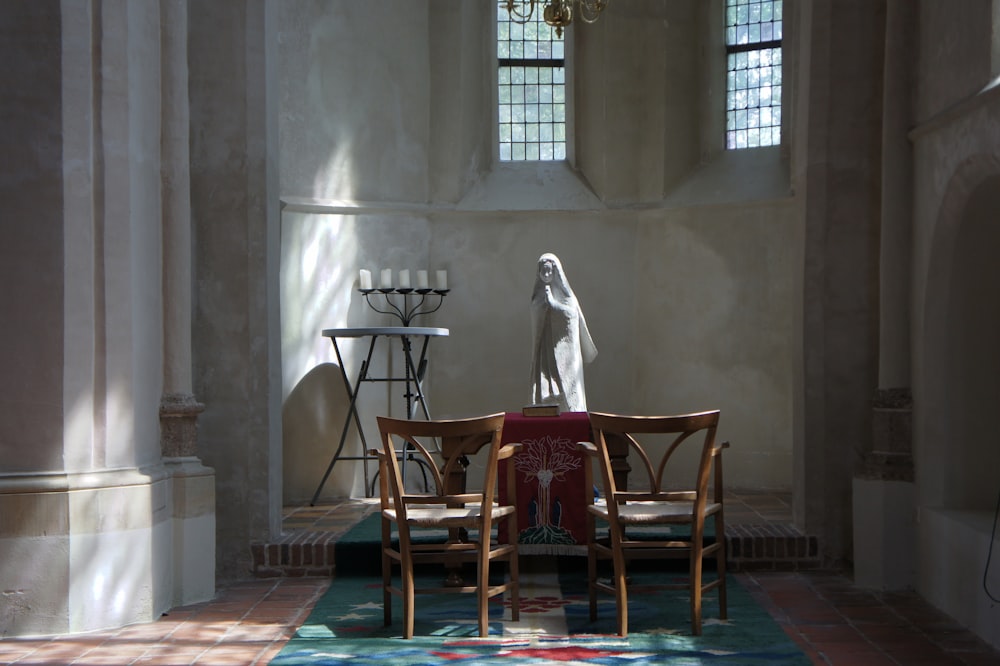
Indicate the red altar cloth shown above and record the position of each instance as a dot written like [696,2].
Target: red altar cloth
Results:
[551,492]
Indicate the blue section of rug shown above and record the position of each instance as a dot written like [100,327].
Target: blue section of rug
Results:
[346,626]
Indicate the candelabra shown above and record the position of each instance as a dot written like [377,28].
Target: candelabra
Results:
[415,302]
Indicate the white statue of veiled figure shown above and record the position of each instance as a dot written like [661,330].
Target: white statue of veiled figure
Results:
[562,340]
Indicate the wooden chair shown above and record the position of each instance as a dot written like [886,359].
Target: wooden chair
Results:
[654,505]
[469,517]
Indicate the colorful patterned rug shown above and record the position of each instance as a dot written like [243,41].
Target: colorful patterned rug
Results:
[346,626]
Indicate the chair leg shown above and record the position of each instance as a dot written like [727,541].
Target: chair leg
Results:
[592,580]
[695,575]
[621,593]
[720,565]
[386,594]
[386,576]
[483,589]
[514,569]
[406,570]
[515,589]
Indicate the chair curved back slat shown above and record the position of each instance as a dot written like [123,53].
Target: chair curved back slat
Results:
[425,454]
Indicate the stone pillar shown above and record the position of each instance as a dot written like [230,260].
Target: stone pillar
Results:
[87,536]
[883,494]
[193,484]
[235,213]
[836,178]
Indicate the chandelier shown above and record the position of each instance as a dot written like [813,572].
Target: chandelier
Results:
[557,13]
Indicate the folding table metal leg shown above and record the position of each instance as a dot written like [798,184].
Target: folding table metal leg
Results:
[352,413]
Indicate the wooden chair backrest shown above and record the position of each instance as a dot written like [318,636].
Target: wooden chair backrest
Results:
[678,429]
[459,440]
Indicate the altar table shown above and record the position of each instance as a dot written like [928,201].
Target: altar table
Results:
[551,488]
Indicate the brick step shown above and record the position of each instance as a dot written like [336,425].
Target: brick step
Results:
[770,547]
[295,555]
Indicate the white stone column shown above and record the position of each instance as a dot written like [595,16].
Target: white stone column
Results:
[179,408]
[897,196]
[193,483]
[883,491]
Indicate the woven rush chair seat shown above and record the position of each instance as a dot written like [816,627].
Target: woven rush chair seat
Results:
[468,517]
[655,513]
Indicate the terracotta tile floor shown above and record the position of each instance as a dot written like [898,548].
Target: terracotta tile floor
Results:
[248,622]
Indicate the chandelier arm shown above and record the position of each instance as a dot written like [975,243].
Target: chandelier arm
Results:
[556,13]
[515,10]
[590,10]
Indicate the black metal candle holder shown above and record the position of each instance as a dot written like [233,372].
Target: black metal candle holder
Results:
[414,302]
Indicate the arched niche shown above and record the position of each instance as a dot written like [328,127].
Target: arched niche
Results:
[960,454]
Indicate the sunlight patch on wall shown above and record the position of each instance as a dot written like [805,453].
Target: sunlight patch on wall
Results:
[317,279]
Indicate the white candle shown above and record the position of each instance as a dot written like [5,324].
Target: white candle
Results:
[442,277]
[421,279]
[365,281]
[404,279]
[386,278]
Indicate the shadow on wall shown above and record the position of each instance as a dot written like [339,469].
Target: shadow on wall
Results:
[312,420]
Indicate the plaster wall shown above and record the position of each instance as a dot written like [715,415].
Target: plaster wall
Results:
[355,89]
[713,328]
[955,61]
[639,81]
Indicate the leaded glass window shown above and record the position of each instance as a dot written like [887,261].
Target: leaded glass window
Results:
[532,89]
[753,77]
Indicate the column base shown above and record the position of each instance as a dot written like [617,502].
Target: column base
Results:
[193,521]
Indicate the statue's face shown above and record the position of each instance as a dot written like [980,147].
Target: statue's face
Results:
[546,270]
